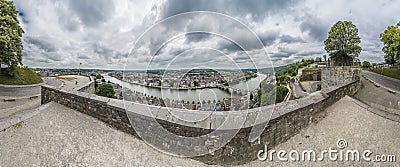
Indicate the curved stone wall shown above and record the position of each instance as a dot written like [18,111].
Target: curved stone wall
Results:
[20,90]
[88,87]
[287,120]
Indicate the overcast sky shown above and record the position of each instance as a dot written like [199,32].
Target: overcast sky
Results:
[101,33]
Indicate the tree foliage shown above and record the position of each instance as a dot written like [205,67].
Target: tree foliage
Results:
[343,43]
[366,64]
[391,44]
[105,90]
[10,39]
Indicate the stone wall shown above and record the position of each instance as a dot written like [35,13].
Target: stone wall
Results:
[333,76]
[287,120]
[311,75]
[88,87]
[20,90]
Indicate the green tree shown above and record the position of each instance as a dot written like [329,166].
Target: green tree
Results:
[99,76]
[366,64]
[343,42]
[391,44]
[105,90]
[281,93]
[10,39]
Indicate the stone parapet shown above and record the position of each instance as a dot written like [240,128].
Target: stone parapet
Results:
[287,119]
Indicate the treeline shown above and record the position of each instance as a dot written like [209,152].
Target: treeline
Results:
[104,88]
[284,74]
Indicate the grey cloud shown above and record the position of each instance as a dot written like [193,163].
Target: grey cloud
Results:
[268,38]
[102,50]
[315,27]
[120,55]
[53,56]
[92,12]
[229,46]
[258,9]
[279,55]
[290,39]
[287,50]
[85,57]
[41,43]
[306,53]
[197,37]
[69,22]
[44,61]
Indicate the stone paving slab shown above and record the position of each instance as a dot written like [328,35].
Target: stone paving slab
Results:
[20,116]
[11,108]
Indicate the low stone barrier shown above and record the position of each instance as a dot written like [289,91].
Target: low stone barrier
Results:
[287,120]
[19,91]
[338,75]
[88,87]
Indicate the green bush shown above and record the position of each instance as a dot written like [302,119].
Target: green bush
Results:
[389,72]
[105,90]
[282,80]
[281,93]
[269,94]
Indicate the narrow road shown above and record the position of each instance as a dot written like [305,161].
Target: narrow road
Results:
[390,83]
[378,97]
[297,91]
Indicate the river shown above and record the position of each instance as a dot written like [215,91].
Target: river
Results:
[196,95]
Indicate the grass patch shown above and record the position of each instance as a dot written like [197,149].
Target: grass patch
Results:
[389,72]
[18,125]
[24,76]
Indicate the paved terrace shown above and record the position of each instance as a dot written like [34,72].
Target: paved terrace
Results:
[60,136]
[20,102]
[69,82]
